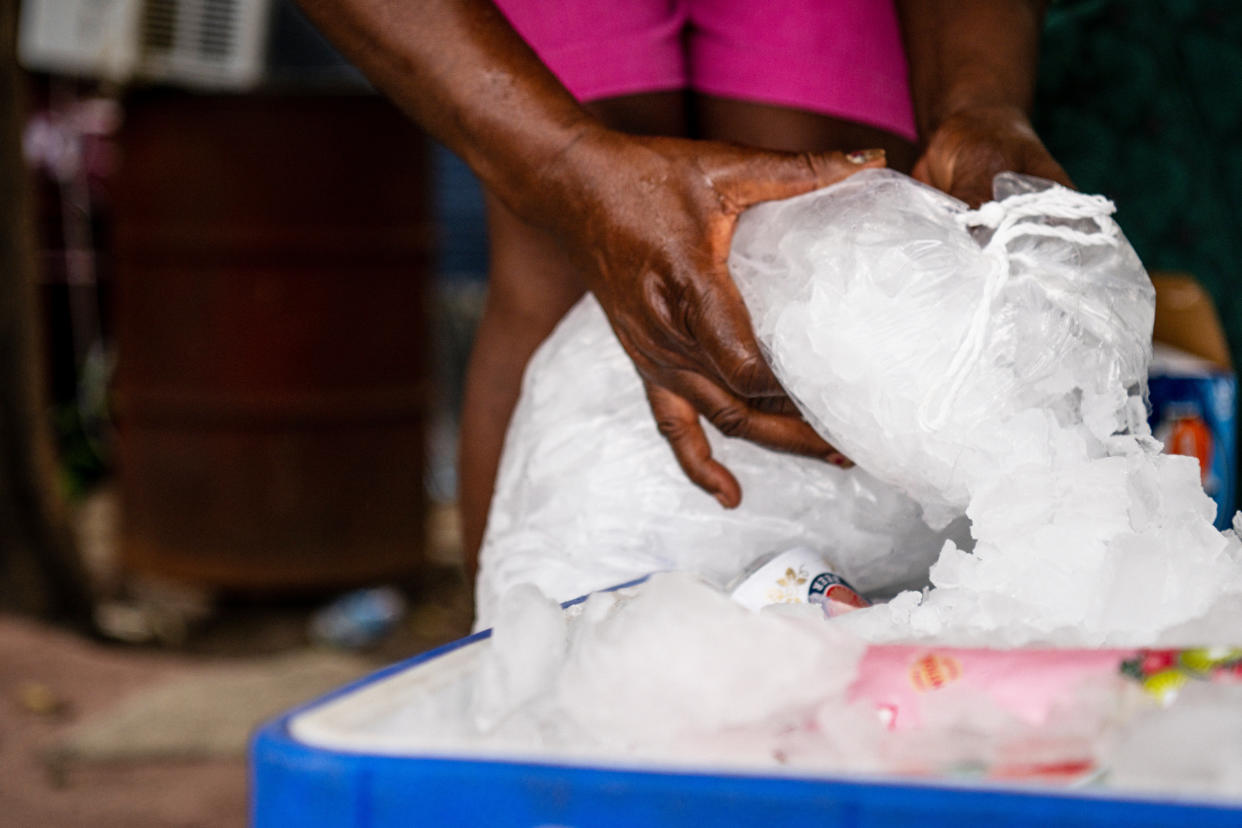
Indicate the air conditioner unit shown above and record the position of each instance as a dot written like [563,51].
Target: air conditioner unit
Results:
[216,44]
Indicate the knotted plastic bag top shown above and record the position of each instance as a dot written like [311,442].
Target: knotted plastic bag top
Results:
[940,347]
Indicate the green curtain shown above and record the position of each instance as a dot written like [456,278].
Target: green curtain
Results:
[1142,101]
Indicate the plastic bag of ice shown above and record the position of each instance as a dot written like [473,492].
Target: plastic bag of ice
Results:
[940,347]
[589,495]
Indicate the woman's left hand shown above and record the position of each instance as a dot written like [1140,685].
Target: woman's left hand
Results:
[971,146]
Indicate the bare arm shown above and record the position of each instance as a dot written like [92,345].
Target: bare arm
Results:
[648,221]
[460,71]
[972,76]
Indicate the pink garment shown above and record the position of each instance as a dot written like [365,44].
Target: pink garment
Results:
[837,57]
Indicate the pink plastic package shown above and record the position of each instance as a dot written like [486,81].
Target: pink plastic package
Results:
[1020,715]
[897,680]
[1028,684]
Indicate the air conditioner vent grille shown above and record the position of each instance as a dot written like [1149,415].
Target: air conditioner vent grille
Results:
[218,35]
[211,44]
[159,26]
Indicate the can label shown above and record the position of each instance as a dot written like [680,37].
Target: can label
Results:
[797,576]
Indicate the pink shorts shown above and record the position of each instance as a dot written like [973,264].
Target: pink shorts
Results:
[837,57]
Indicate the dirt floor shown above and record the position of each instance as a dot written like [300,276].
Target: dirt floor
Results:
[98,733]
[49,681]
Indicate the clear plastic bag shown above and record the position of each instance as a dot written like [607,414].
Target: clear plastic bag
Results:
[940,347]
[589,494]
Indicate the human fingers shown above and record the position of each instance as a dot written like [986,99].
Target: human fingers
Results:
[971,147]
[970,178]
[726,347]
[965,164]
[920,171]
[718,321]
[678,422]
[751,178]
[1039,162]
[735,417]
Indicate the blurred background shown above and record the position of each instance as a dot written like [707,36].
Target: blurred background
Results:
[237,295]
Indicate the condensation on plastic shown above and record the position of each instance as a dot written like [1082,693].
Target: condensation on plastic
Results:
[939,347]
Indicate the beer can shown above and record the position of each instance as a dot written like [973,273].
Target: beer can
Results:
[796,576]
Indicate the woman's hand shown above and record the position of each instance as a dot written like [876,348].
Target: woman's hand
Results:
[971,146]
[650,225]
[648,220]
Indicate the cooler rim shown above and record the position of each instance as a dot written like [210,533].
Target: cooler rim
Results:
[293,783]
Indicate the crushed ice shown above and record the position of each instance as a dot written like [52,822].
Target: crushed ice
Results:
[988,363]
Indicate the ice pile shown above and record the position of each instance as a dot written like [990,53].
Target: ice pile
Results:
[1116,551]
[672,671]
[992,360]
[669,669]
[988,361]
[1194,748]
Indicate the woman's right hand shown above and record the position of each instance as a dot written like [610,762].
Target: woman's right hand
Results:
[649,222]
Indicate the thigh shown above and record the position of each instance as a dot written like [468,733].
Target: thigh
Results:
[793,130]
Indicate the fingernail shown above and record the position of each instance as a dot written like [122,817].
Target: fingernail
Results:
[865,156]
[838,459]
[720,498]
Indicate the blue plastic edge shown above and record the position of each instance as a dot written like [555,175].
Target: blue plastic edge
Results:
[293,784]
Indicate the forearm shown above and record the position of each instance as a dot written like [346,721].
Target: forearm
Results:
[459,69]
[646,220]
[970,54]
